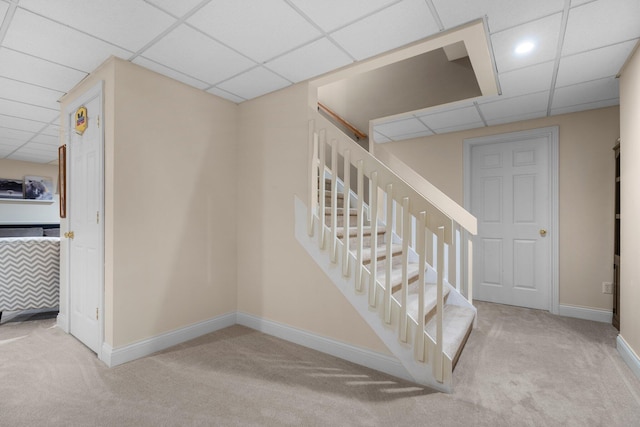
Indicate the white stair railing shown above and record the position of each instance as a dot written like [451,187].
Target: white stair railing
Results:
[432,228]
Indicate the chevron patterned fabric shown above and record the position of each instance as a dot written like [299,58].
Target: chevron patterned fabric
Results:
[29,273]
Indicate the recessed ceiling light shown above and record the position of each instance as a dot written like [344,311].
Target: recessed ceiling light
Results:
[524,47]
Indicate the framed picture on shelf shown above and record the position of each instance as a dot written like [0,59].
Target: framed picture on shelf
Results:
[38,188]
[10,188]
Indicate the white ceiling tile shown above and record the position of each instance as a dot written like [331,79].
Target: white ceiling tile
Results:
[517,106]
[395,26]
[18,109]
[28,93]
[543,33]
[401,127]
[128,24]
[451,118]
[259,29]
[178,8]
[20,124]
[46,139]
[457,128]
[517,118]
[601,23]
[194,54]
[176,75]
[586,106]
[594,64]
[32,147]
[535,78]
[3,10]
[51,130]
[226,95]
[331,14]
[583,93]
[16,135]
[420,134]
[380,138]
[501,14]
[309,61]
[32,157]
[10,143]
[57,43]
[18,66]
[254,83]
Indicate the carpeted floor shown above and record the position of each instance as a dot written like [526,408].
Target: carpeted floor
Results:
[520,368]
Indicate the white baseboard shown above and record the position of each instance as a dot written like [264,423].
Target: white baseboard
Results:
[62,322]
[117,356]
[628,355]
[594,314]
[367,358]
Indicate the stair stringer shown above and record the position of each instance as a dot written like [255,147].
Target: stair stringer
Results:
[419,372]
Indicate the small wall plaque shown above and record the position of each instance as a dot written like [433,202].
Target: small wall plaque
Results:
[81,120]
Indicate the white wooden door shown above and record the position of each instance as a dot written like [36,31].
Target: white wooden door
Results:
[85,222]
[510,197]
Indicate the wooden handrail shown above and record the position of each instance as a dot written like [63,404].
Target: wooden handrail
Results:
[352,128]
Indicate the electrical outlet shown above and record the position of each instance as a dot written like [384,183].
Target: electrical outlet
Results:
[607,287]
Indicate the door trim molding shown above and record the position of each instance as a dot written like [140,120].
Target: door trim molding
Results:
[64,318]
[551,133]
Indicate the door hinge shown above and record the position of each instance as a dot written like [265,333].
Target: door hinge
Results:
[96,313]
[97,217]
[98,121]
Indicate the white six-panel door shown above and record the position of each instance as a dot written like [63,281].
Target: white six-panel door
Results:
[85,221]
[510,197]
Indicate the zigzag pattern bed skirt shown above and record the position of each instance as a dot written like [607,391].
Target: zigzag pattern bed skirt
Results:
[29,273]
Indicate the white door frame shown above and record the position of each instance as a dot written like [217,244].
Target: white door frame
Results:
[551,133]
[64,317]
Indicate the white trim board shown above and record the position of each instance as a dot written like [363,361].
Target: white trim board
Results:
[363,357]
[597,315]
[117,356]
[628,355]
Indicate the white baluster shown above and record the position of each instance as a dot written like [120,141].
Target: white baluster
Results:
[373,266]
[346,215]
[406,236]
[323,185]
[388,237]
[334,200]
[313,176]
[360,185]
[422,260]
[438,364]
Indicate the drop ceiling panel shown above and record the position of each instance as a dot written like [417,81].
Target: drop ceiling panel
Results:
[259,29]
[32,147]
[8,143]
[28,93]
[517,118]
[535,78]
[128,24]
[29,156]
[177,8]
[502,13]
[254,83]
[451,118]
[586,106]
[375,34]
[309,61]
[380,138]
[46,140]
[601,23]
[18,109]
[20,124]
[332,14]
[57,43]
[37,71]
[176,75]
[594,64]
[51,130]
[401,127]
[458,128]
[518,106]
[194,54]
[226,95]
[14,135]
[3,10]
[597,90]
[543,33]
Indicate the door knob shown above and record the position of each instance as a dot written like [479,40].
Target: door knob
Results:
[543,232]
[69,235]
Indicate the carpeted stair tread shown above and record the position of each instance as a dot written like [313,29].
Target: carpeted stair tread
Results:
[353,231]
[396,249]
[457,322]
[430,296]
[396,275]
[352,211]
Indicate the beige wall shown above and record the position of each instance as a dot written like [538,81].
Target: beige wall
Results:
[277,280]
[586,173]
[17,212]
[630,207]
[170,228]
